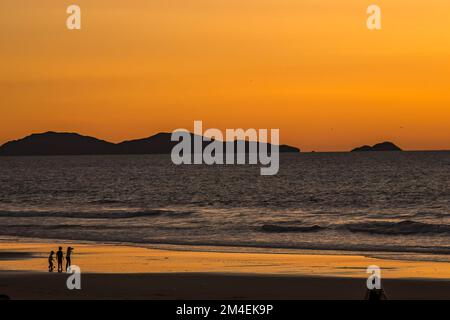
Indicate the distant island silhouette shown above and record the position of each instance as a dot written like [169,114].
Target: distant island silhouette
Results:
[384,146]
[62,143]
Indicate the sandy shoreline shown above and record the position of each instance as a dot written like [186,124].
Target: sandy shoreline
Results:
[204,286]
[124,272]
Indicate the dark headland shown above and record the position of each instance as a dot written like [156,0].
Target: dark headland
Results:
[56,143]
[384,146]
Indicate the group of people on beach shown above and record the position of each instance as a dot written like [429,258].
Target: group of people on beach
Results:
[60,259]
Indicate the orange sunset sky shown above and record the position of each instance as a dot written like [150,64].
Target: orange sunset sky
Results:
[308,67]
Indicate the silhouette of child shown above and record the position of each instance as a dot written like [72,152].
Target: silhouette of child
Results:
[60,257]
[50,261]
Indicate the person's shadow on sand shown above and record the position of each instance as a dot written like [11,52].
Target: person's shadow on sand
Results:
[375,295]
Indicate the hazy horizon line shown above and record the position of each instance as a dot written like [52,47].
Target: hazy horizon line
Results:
[4,141]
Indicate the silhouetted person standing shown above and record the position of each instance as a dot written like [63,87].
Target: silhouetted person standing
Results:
[68,257]
[50,261]
[60,257]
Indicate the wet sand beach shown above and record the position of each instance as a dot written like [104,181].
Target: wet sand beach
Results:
[127,272]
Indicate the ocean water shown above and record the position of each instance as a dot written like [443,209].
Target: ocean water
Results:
[378,203]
